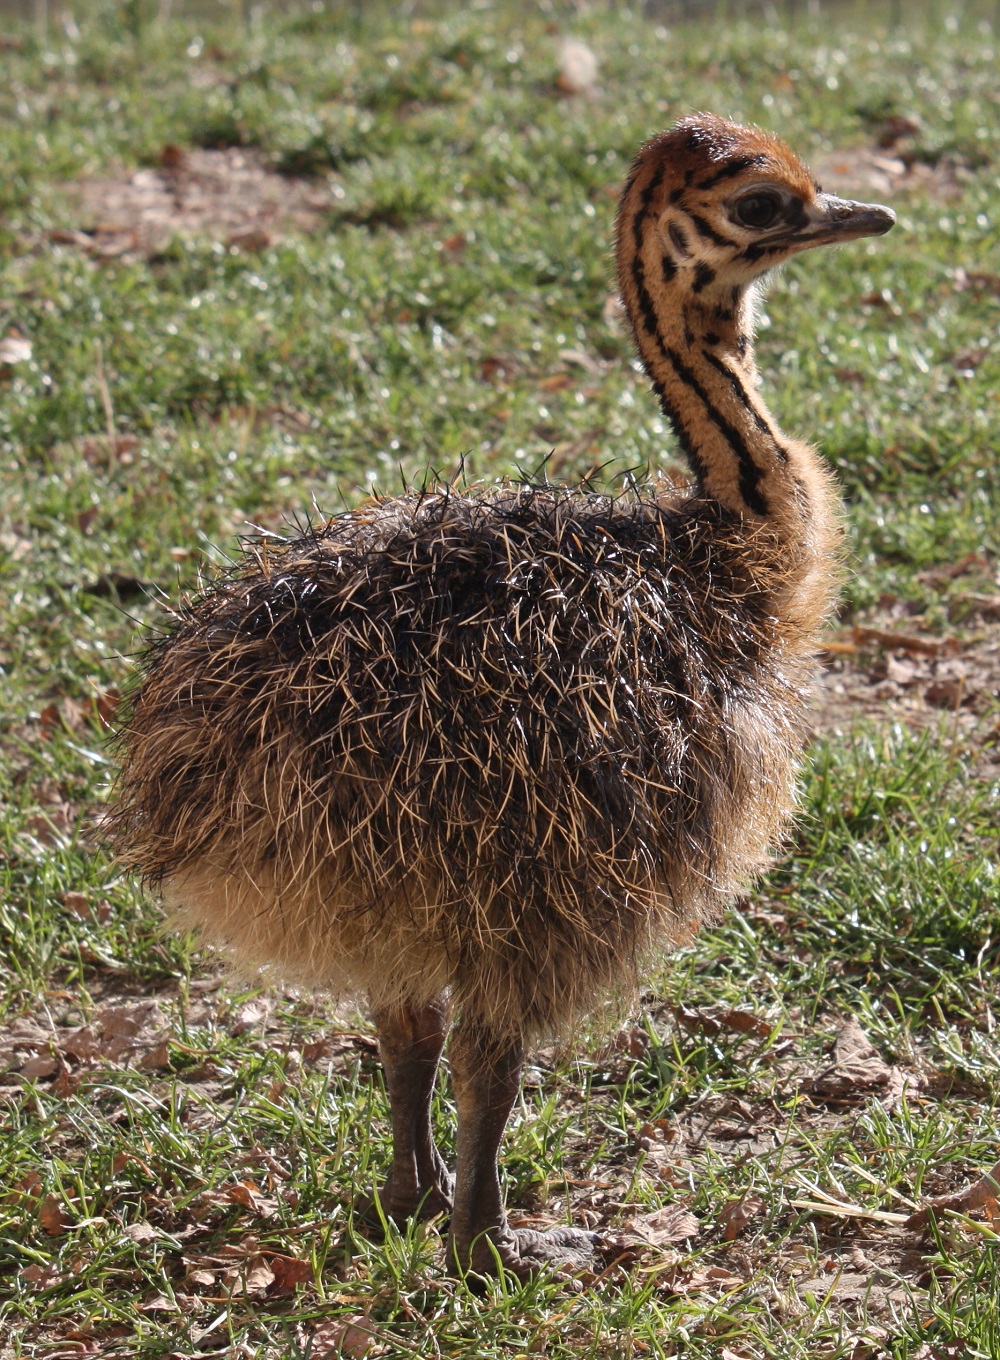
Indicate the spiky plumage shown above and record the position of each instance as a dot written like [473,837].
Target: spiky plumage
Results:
[500,741]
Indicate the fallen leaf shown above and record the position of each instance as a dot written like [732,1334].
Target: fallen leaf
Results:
[117,585]
[858,1067]
[715,1019]
[675,1223]
[556,382]
[39,1068]
[204,1279]
[248,1195]
[82,1044]
[140,1232]
[907,642]
[52,1216]
[681,1279]
[159,1303]
[155,1058]
[76,902]
[27,1190]
[738,1213]
[289,1272]
[257,1276]
[42,1276]
[976,281]
[949,692]
[350,1336]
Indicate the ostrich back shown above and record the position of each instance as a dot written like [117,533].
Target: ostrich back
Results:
[502,741]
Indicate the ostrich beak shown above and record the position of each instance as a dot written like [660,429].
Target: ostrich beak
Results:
[841,219]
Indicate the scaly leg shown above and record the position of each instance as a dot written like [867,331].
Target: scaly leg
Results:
[410,1042]
[486,1071]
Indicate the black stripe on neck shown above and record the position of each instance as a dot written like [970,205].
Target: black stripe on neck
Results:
[743,396]
[749,473]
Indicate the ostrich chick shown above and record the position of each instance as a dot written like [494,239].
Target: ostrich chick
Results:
[478,753]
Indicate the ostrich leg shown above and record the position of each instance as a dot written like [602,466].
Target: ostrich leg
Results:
[486,1072]
[410,1042]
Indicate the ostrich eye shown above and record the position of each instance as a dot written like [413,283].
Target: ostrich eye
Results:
[757,210]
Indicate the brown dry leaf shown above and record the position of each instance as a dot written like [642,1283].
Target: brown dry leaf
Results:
[57,716]
[289,1271]
[249,1196]
[140,1232]
[155,1058]
[715,1019]
[257,1276]
[76,902]
[318,1049]
[858,1067]
[39,1068]
[66,1083]
[738,1213]
[949,692]
[52,826]
[987,283]
[53,1216]
[204,1279]
[42,1276]
[27,1190]
[744,1022]
[679,1279]
[906,642]
[82,1044]
[675,1223]
[120,585]
[497,367]
[350,1336]
[629,1043]
[159,1303]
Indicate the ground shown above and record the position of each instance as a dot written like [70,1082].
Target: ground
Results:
[324,255]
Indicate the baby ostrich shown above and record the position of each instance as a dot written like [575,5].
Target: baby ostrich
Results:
[478,753]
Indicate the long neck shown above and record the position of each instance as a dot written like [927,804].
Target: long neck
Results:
[695,338]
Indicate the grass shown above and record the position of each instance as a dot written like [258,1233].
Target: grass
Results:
[179,1156]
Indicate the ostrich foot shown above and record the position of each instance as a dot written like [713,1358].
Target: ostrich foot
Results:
[527,1252]
[402,1197]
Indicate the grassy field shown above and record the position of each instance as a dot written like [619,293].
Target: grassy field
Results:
[243,272]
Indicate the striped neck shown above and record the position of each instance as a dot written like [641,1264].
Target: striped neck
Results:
[694,333]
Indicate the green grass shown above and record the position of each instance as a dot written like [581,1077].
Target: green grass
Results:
[452,305]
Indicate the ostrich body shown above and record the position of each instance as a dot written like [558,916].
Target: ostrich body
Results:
[479,753]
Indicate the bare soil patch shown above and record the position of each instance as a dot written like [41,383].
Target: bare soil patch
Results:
[890,170]
[228,195]
[893,672]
